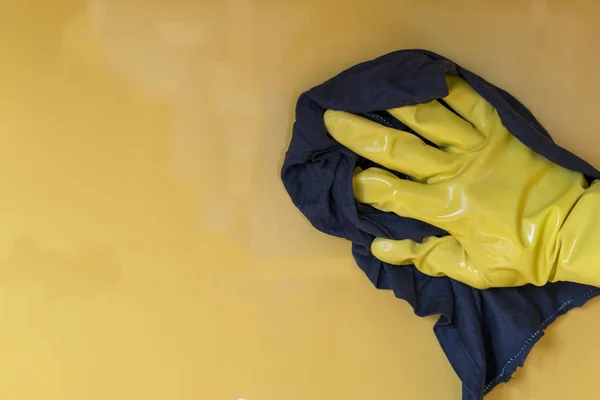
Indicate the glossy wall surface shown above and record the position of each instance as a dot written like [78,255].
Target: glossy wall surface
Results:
[147,247]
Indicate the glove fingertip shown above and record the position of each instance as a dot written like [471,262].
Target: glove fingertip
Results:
[395,252]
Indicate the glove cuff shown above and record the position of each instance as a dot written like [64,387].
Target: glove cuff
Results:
[579,241]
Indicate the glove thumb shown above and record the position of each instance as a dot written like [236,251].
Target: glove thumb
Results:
[435,256]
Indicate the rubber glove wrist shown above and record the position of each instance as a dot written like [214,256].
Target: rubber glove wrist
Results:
[579,241]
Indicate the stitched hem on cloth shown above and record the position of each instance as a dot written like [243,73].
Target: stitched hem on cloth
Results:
[518,359]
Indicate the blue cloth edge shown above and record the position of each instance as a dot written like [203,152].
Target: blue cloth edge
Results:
[518,359]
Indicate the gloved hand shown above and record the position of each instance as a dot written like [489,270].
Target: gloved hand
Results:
[514,217]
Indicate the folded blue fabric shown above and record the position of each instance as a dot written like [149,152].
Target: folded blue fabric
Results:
[485,334]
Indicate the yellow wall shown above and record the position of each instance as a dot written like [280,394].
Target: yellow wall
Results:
[147,248]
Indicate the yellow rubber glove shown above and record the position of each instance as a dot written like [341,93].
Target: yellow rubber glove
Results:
[514,217]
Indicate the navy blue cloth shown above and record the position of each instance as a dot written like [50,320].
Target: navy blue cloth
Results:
[485,334]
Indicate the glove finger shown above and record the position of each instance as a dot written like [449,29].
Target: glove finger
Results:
[463,99]
[397,150]
[386,192]
[440,125]
[435,256]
